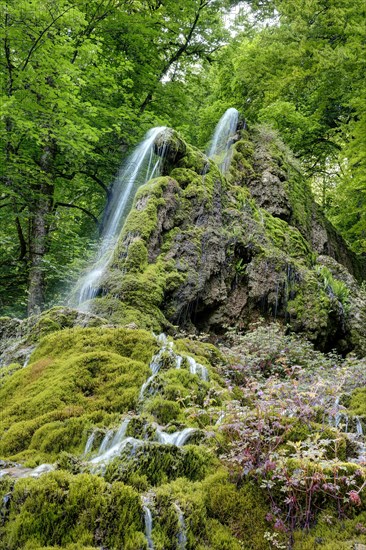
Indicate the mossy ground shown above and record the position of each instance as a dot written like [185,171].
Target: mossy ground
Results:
[84,380]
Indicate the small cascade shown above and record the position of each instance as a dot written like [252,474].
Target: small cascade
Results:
[182,533]
[105,442]
[114,441]
[113,444]
[141,166]
[121,433]
[352,426]
[220,419]
[156,362]
[89,443]
[148,522]
[42,469]
[155,365]
[220,149]
[178,438]
[359,428]
[196,368]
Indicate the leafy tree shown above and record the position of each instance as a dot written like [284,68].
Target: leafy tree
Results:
[304,74]
[81,82]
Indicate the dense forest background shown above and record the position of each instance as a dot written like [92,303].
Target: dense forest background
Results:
[82,81]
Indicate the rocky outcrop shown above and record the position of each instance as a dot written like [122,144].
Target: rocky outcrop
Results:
[203,252]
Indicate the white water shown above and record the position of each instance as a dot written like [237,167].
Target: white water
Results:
[114,442]
[141,166]
[182,533]
[89,443]
[352,426]
[176,438]
[105,442]
[148,523]
[156,363]
[196,368]
[220,149]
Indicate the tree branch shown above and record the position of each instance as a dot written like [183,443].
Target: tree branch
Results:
[35,45]
[87,212]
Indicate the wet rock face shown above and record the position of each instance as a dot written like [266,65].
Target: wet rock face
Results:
[170,146]
[212,252]
[19,337]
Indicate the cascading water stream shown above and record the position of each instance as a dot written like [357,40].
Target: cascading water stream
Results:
[178,438]
[148,522]
[220,149]
[141,166]
[115,441]
[350,425]
[155,364]
[182,533]
[89,443]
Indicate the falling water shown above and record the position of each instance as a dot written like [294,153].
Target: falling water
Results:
[148,523]
[196,368]
[105,442]
[89,443]
[225,130]
[142,165]
[177,438]
[182,533]
[114,442]
[156,363]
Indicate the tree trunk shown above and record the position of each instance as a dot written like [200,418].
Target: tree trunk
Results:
[40,211]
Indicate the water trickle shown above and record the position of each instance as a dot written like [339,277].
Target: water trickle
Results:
[196,368]
[359,428]
[182,533]
[105,442]
[42,469]
[89,443]
[148,522]
[141,166]
[178,438]
[220,149]
[114,442]
[156,362]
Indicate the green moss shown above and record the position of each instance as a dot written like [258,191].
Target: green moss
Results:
[159,464]
[123,314]
[357,403]
[214,510]
[332,532]
[163,410]
[61,509]
[143,217]
[194,160]
[287,238]
[310,308]
[47,405]
[137,256]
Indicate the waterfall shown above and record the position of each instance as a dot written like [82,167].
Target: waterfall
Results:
[177,438]
[220,149]
[114,443]
[141,166]
[156,362]
[148,522]
[105,442]
[196,368]
[182,533]
[89,443]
